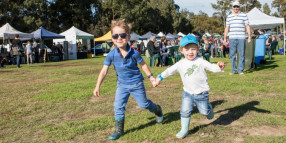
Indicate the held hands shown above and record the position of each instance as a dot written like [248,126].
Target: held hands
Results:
[221,65]
[155,82]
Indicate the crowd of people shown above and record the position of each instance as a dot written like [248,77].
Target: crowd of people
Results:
[29,53]
[209,47]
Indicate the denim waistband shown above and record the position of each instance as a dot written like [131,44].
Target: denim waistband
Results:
[205,92]
[129,83]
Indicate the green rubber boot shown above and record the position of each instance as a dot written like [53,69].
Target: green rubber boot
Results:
[158,114]
[185,122]
[119,130]
[211,113]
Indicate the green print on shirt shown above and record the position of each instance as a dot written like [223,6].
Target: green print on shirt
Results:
[190,70]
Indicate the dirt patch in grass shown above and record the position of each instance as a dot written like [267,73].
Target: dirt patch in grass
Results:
[266,131]
[88,72]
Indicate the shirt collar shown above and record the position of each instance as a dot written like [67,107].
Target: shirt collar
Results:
[128,50]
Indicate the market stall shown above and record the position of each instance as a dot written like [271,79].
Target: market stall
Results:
[78,42]
[260,20]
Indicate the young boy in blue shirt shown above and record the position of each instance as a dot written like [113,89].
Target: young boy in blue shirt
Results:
[129,77]
[194,78]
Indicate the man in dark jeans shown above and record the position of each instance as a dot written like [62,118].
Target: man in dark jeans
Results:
[142,48]
[35,48]
[17,45]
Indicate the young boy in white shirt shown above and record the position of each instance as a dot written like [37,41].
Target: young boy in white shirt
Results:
[194,78]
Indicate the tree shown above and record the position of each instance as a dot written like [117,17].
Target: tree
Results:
[200,23]
[247,5]
[215,25]
[11,13]
[182,23]
[223,7]
[266,9]
[281,7]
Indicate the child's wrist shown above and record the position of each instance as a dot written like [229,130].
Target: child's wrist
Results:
[150,75]
[160,77]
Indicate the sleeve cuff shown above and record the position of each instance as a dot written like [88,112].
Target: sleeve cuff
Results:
[160,77]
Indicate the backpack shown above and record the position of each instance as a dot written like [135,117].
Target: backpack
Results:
[16,51]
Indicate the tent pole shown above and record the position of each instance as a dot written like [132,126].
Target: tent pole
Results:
[284,36]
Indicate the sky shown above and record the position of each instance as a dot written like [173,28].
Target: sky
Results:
[205,5]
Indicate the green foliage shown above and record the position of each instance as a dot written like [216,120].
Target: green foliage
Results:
[247,5]
[266,9]
[281,7]
[95,16]
[223,8]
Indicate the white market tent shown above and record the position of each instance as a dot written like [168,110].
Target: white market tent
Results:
[74,35]
[191,34]
[9,32]
[181,34]
[260,20]
[161,34]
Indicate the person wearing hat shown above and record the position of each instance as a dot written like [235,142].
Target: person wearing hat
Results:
[235,29]
[195,81]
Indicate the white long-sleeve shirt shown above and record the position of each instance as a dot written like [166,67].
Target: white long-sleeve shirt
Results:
[193,74]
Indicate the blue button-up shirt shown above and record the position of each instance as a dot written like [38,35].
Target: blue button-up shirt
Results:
[126,68]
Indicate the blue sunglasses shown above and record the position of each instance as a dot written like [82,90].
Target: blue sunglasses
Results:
[116,36]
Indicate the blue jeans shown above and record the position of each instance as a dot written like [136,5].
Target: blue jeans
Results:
[12,60]
[201,100]
[18,60]
[137,91]
[237,45]
[164,58]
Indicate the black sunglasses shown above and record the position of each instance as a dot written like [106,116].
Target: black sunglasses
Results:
[122,35]
[235,6]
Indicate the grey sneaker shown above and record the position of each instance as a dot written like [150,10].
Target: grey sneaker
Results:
[241,73]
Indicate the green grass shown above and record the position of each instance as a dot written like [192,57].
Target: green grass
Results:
[54,102]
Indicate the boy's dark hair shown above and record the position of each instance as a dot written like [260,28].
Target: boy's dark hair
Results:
[17,35]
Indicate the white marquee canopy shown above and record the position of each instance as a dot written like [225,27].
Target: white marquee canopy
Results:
[260,20]
[7,31]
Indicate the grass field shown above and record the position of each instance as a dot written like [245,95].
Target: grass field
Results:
[54,102]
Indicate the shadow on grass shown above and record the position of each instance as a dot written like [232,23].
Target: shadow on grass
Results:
[170,117]
[268,65]
[233,114]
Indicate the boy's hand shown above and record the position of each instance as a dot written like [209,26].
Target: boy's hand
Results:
[96,92]
[158,81]
[153,81]
[221,65]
